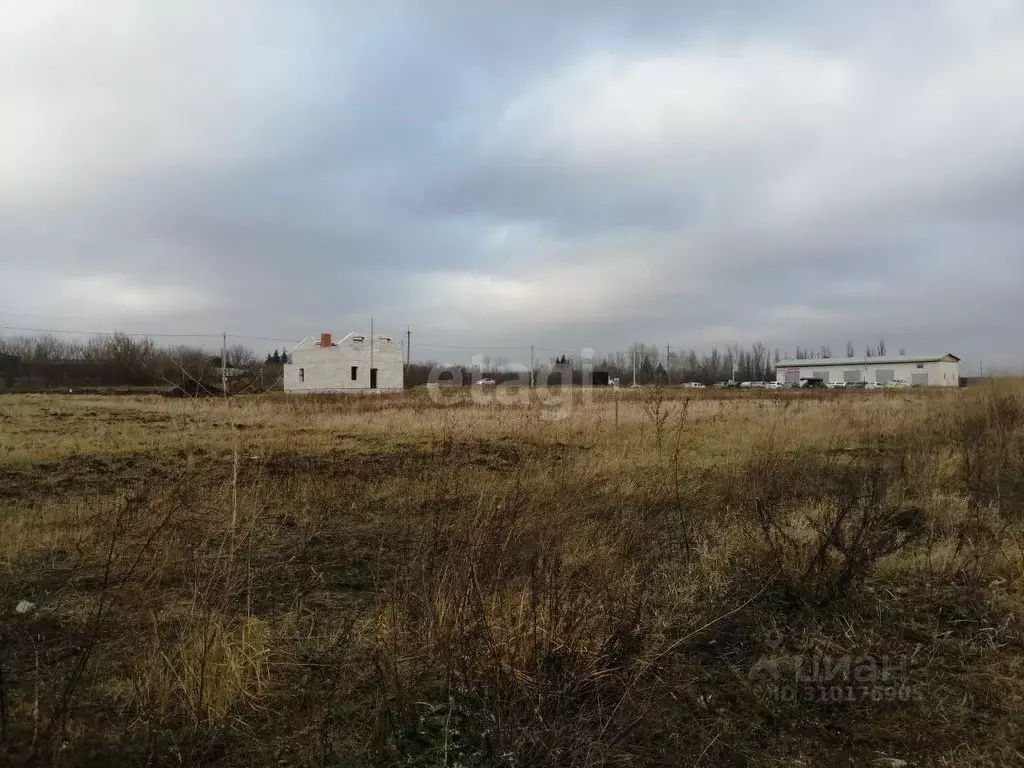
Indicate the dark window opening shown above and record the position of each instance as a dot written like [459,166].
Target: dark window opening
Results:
[355,372]
[373,378]
[302,374]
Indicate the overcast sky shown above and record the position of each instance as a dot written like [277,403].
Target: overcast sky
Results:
[567,174]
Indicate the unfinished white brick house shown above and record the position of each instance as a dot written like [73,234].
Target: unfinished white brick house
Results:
[356,363]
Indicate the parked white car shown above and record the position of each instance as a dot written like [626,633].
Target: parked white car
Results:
[486,383]
[897,384]
[692,385]
[773,385]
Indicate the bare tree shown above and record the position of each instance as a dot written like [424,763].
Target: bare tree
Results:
[881,348]
[18,346]
[239,356]
[692,366]
[713,366]
[849,349]
[183,364]
[49,348]
[758,361]
[96,350]
[132,355]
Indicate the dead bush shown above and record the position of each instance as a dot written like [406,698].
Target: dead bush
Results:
[824,547]
[518,637]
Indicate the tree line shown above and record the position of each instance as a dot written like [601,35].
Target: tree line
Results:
[125,359]
[825,352]
[111,360]
[653,364]
[656,364]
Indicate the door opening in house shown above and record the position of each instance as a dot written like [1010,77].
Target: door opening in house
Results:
[373,378]
[302,374]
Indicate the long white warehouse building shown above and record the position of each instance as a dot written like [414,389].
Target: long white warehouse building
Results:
[927,371]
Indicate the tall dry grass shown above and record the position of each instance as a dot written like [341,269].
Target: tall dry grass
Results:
[389,581]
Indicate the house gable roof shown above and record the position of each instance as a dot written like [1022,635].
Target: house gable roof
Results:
[350,339]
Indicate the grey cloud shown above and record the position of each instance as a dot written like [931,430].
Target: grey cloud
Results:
[319,163]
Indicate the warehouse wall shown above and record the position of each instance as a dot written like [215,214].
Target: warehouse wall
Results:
[939,374]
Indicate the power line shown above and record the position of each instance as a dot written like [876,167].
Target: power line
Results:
[474,347]
[154,335]
[111,333]
[262,338]
[486,347]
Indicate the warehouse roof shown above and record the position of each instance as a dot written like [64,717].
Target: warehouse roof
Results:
[848,361]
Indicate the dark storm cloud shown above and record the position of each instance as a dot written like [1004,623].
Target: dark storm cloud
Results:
[572,173]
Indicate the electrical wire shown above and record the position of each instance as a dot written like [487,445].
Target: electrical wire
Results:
[476,348]
[262,338]
[110,333]
[418,344]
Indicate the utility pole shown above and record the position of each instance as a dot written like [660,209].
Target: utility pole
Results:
[370,372]
[634,367]
[531,365]
[668,363]
[224,364]
[408,346]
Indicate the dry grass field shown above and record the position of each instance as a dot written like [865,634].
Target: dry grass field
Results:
[741,579]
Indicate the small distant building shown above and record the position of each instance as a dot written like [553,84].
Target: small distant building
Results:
[357,362]
[926,371]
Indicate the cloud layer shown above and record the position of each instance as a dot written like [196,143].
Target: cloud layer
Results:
[584,176]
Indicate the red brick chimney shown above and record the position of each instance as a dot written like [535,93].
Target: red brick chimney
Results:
[325,339]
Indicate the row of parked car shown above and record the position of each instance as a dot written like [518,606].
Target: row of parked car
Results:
[822,384]
[804,384]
